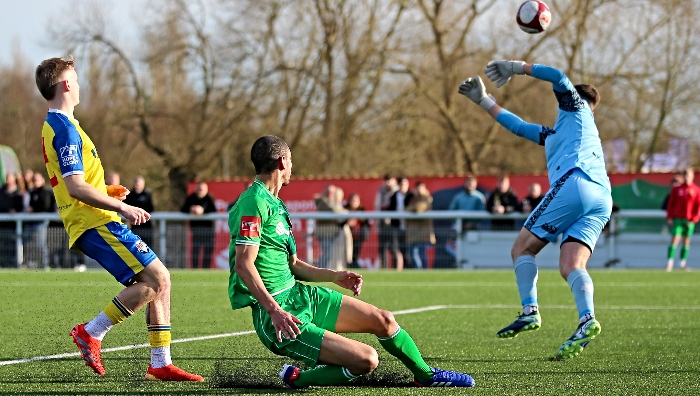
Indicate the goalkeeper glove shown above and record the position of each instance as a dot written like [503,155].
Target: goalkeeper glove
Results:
[473,88]
[500,71]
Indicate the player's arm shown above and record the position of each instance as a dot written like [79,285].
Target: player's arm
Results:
[306,272]
[473,88]
[79,189]
[501,71]
[696,208]
[284,322]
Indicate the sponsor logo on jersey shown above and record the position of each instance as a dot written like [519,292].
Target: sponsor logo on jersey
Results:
[69,154]
[250,226]
[281,229]
[142,247]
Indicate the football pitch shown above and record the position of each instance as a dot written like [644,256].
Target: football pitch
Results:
[649,344]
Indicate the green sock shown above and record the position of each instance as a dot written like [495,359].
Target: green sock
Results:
[671,251]
[684,252]
[324,375]
[401,345]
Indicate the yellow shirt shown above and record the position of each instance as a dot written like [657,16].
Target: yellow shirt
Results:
[69,151]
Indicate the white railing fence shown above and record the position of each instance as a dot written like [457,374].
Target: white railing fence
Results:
[465,239]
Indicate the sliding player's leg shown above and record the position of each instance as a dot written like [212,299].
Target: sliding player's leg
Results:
[356,316]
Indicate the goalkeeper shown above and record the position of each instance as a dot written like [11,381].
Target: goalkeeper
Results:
[299,320]
[577,205]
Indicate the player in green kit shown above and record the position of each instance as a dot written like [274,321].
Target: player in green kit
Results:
[298,320]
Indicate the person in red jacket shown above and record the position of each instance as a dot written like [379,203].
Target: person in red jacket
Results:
[682,212]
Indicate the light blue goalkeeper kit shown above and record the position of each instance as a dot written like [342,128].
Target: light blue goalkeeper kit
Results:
[578,203]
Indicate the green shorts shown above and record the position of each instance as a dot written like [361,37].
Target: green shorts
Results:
[317,307]
[682,227]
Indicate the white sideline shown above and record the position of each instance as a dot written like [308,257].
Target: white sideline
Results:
[400,312]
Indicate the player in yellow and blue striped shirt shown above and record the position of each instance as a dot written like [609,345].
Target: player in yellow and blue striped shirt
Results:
[89,210]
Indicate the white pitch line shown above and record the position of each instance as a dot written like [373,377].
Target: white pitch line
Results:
[400,312]
[209,337]
[123,348]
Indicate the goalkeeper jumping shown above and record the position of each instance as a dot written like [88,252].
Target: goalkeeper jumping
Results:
[577,205]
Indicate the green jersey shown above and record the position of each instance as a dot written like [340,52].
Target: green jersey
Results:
[260,219]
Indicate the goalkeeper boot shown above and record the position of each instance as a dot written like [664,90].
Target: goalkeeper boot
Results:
[447,378]
[289,374]
[171,373]
[584,334]
[89,348]
[530,322]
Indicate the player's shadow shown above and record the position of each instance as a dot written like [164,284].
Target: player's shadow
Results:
[261,374]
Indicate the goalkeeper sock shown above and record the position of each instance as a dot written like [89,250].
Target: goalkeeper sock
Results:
[526,279]
[324,375]
[684,253]
[114,313]
[582,287]
[401,345]
[159,337]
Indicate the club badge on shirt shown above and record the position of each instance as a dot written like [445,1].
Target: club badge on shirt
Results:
[250,226]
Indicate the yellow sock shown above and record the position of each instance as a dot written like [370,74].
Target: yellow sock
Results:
[159,335]
[116,311]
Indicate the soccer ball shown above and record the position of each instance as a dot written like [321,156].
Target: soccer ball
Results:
[533,17]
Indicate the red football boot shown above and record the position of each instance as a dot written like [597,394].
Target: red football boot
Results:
[171,373]
[89,347]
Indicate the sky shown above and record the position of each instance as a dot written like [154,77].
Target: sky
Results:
[25,24]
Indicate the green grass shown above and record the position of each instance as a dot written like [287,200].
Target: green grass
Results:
[644,348]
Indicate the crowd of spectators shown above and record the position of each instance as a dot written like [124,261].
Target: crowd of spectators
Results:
[403,243]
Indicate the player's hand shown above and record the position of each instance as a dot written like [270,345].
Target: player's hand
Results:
[349,280]
[474,89]
[500,71]
[135,215]
[118,192]
[285,324]
[669,222]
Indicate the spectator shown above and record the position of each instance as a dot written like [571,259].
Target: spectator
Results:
[327,230]
[27,177]
[22,190]
[10,202]
[419,233]
[342,244]
[359,228]
[677,180]
[41,200]
[468,199]
[113,179]
[682,213]
[533,199]
[384,229]
[502,201]
[140,197]
[398,203]
[199,203]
